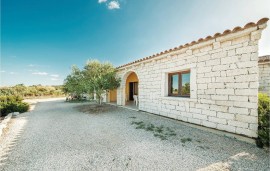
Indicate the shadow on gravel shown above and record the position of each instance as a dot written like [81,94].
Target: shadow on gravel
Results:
[94,108]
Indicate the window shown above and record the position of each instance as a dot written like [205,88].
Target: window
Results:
[179,84]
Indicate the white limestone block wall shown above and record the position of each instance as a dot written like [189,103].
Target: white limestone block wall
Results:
[224,82]
[264,75]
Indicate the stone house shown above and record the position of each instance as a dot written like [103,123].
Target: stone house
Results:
[212,82]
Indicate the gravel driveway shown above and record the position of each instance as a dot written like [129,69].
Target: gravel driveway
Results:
[56,136]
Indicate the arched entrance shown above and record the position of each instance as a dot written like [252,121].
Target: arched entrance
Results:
[131,90]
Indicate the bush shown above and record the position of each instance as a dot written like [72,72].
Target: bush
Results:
[31,91]
[9,104]
[264,116]
[7,99]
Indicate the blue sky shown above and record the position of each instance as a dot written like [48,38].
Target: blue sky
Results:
[41,40]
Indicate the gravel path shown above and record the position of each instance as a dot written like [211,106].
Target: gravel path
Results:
[56,136]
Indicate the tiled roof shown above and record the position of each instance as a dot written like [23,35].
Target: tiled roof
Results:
[263,59]
[226,32]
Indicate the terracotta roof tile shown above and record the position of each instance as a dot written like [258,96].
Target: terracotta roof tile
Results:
[248,25]
[217,34]
[263,59]
[238,28]
[228,31]
[262,21]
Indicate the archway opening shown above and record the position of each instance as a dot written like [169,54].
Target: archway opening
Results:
[132,90]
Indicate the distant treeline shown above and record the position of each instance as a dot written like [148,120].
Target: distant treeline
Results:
[31,91]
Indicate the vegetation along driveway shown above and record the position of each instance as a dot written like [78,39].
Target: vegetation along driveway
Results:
[57,135]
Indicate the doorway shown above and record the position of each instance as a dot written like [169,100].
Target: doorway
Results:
[133,90]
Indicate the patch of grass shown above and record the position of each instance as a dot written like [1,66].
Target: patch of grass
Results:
[199,141]
[141,126]
[136,123]
[150,127]
[169,129]
[184,140]
[133,117]
[158,131]
[170,134]
[204,147]
[162,137]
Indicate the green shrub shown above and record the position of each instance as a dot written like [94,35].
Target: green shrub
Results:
[264,116]
[31,91]
[9,104]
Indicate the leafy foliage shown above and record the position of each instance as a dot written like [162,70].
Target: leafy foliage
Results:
[31,91]
[100,78]
[185,89]
[96,78]
[75,83]
[264,116]
[11,97]
[13,103]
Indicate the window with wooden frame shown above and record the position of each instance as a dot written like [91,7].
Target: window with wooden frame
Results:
[179,84]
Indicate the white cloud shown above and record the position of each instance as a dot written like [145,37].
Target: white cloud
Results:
[35,65]
[54,79]
[101,1]
[32,70]
[113,5]
[40,73]
[12,73]
[3,71]
[54,75]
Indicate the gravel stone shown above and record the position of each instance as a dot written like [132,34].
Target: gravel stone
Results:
[56,136]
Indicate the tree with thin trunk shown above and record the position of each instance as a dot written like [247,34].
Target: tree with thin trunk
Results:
[99,78]
[74,83]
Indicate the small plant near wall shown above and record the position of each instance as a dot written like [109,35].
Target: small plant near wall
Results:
[263,120]
[158,131]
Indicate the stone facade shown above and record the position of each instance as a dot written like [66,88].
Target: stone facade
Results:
[223,81]
[264,74]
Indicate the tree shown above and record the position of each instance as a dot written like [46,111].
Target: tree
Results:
[74,83]
[186,89]
[99,78]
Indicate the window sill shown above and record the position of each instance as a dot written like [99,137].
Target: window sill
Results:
[178,98]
